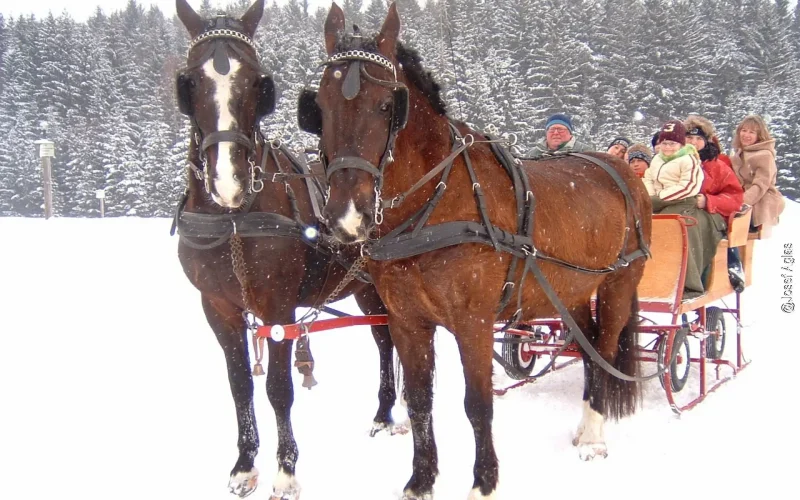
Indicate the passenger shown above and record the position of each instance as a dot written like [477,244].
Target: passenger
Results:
[639,158]
[558,139]
[721,194]
[754,164]
[654,143]
[619,147]
[673,181]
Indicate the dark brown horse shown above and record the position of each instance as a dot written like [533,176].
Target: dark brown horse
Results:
[231,181]
[393,156]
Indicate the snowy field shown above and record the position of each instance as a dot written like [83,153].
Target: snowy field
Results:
[112,386]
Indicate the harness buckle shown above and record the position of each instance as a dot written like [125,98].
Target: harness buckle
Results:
[275,143]
[444,186]
[255,178]
[378,207]
[509,284]
[475,186]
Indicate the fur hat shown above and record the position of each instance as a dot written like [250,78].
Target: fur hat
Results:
[639,151]
[699,125]
[673,130]
[559,119]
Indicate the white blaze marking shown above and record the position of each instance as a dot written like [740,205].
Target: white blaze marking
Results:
[351,220]
[224,183]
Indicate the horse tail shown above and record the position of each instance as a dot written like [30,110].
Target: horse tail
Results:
[623,397]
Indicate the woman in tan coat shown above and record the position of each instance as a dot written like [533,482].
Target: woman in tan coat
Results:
[754,164]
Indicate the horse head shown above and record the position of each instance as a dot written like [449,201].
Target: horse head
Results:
[359,110]
[225,93]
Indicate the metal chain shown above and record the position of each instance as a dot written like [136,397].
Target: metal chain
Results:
[222,33]
[313,313]
[249,315]
[237,259]
[357,266]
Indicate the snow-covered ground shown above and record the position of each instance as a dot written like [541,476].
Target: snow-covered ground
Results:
[112,386]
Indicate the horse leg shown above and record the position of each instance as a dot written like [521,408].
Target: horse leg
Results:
[475,346]
[413,339]
[226,321]
[606,396]
[281,396]
[370,303]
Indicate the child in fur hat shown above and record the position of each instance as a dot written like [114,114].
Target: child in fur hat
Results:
[673,181]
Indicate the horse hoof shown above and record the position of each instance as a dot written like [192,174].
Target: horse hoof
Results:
[590,451]
[407,495]
[242,484]
[401,429]
[285,487]
[391,428]
[475,494]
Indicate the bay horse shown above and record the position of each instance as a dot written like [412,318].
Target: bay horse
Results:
[453,225]
[236,176]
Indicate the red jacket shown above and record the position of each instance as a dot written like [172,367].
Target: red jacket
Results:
[724,195]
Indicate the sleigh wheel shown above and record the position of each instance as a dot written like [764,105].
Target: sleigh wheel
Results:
[715,324]
[519,356]
[679,368]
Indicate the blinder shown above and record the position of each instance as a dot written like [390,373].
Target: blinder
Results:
[184,85]
[399,109]
[309,115]
[266,96]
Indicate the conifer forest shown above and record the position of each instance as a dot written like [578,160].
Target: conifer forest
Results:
[104,90]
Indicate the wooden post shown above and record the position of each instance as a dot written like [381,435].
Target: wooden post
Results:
[47,175]
[101,195]
[46,152]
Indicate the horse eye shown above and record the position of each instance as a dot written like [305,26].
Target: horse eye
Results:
[386,106]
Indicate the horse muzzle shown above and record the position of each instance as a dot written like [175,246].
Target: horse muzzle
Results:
[352,226]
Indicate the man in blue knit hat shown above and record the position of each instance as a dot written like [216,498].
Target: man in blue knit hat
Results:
[558,139]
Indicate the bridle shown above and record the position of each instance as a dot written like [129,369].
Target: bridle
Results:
[225,34]
[310,119]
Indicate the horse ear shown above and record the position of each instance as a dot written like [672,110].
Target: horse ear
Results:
[334,25]
[251,18]
[390,31]
[189,18]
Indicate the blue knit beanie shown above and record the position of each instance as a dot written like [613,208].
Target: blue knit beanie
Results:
[559,119]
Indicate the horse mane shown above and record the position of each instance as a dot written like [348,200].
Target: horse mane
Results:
[411,63]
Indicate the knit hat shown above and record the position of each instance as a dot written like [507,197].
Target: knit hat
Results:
[559,119]
[622,141]
[673,130]
[639,152]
